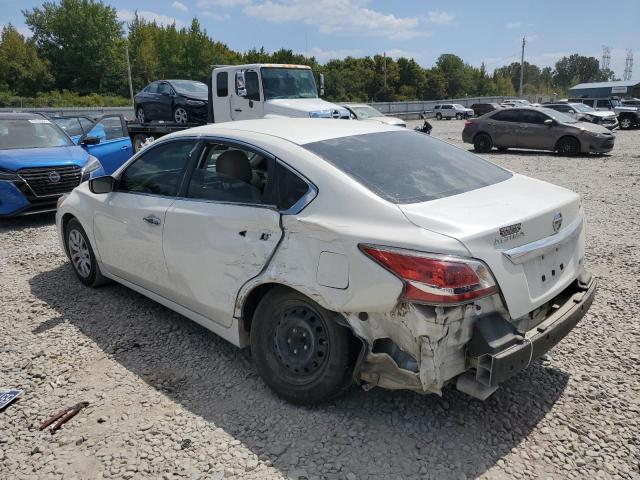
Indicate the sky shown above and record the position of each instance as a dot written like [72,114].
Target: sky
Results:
[488,31]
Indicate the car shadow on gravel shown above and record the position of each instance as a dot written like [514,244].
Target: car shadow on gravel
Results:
[393,434]
[540,153]
[28,221]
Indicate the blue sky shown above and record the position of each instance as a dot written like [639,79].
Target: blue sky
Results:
[489,31]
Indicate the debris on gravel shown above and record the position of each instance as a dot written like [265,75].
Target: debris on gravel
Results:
[168,399]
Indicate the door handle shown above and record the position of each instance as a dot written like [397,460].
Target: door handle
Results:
[237,110]
[124,147]
[151,219]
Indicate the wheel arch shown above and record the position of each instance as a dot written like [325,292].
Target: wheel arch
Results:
[564,137]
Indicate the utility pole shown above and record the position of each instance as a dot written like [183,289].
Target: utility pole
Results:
[606,58]
[126,49]
[524,41]
[628,66]
[384,67]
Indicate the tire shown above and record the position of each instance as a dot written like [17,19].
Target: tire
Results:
[81,255]
[300,351]
[138,140]
[502,149]
[482,143]
[458,116]
[140,116]
[438,116]
[568,146]
[626,123]
[180,116]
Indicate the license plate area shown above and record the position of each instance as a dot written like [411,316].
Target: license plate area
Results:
[545,271]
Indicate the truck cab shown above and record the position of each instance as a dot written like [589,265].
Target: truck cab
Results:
[244,92]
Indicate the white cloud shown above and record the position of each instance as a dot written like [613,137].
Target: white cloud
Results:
[128,15]
[326,55]
[217,16]
[180,6]
[222,3]
[439,18]
[512,25]
[344,17]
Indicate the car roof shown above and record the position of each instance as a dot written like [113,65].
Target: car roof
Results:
[296,130]
[355,105]
[20,116]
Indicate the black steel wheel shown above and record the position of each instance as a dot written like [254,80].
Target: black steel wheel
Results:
[299,349]
[482,143]
[568,146]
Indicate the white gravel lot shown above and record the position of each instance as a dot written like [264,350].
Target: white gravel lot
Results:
[171,400]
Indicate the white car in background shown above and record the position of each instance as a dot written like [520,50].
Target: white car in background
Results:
[340,252]
[452,110]
[362,111]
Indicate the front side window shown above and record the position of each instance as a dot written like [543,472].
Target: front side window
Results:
[222,84]
[71,126]
[252,85]
[159,170]
[108,128]
[531,116]
[509,115]
[288,83]
[408,167]
[164,89]
[227,173]
[31,133]
[152,88]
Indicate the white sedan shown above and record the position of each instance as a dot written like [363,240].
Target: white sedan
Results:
[362,111]
[341,252]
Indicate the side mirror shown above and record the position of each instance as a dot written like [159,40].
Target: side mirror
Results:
[548,122]
[241,84]
[104,184]
[89,141]
[322,84]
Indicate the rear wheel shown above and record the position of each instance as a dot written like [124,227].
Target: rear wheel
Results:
[568,146]
[299,349]
[626,123]
[438,116]
[482,143]
[458,116]
[82,256]
[140,115]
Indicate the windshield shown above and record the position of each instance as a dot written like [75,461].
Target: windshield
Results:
[559,116]
[71,126]
[366,111]
[581,107]
[458,106]
[408,167]
[188,87]
[31,133]
[288,83]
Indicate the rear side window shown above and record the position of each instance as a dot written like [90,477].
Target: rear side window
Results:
[222,84]
[291,188]
[408,167]
[159,170]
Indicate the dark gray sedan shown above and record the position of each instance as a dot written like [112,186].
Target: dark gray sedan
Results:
[536,128]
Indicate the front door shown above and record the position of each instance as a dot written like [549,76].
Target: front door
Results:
[115,145]
[128,226]
[249,106]
[533,131]
[223,232]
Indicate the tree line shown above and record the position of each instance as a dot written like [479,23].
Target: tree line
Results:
[76,56]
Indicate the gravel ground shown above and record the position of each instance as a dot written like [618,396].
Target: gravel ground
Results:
[169,399]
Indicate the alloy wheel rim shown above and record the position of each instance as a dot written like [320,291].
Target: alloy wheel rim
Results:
[141,115]
[625,123]
[180,115]
[79,252]
[301,342]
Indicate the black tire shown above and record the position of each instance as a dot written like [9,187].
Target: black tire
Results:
[140,115]
[502,149]
[89,273]
[568,146]
[180,115]
[458,116]
[438,116]
[300,351]
[482,143]
[626,123]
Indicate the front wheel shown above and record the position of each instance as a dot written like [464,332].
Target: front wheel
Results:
[81,255]
[458,116]
[568,146]
[180,116]
[482,143]
[300,351]
[626,123]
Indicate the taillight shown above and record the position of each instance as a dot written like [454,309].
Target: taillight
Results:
[432,278]
[467,123]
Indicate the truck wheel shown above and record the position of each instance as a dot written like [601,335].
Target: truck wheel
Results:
[140,115]
[180,116]
[482,143]
[138,141]
[626,123]
[300,351]
[568,146]
[438,116]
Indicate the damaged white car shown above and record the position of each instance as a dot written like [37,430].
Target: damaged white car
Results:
[341,252]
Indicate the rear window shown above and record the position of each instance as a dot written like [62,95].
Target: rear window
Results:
[408,167]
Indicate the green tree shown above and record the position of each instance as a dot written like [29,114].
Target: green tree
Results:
[577,69]
[23,71]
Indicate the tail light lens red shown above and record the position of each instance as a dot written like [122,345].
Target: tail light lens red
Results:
[467,123]
[435,279]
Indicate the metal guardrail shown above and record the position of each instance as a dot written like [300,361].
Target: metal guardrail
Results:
[90,111]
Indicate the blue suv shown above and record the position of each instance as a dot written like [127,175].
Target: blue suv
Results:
[39,163]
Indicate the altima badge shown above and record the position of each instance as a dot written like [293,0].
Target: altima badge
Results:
[557,222]
[510,232]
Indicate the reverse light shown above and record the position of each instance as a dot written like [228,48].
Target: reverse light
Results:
[432,278]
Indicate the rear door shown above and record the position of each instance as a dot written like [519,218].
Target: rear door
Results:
[223,231]
[504,129]
[129,223]
[115,145]
[164,102]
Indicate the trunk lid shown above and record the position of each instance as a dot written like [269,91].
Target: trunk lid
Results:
[510,226]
